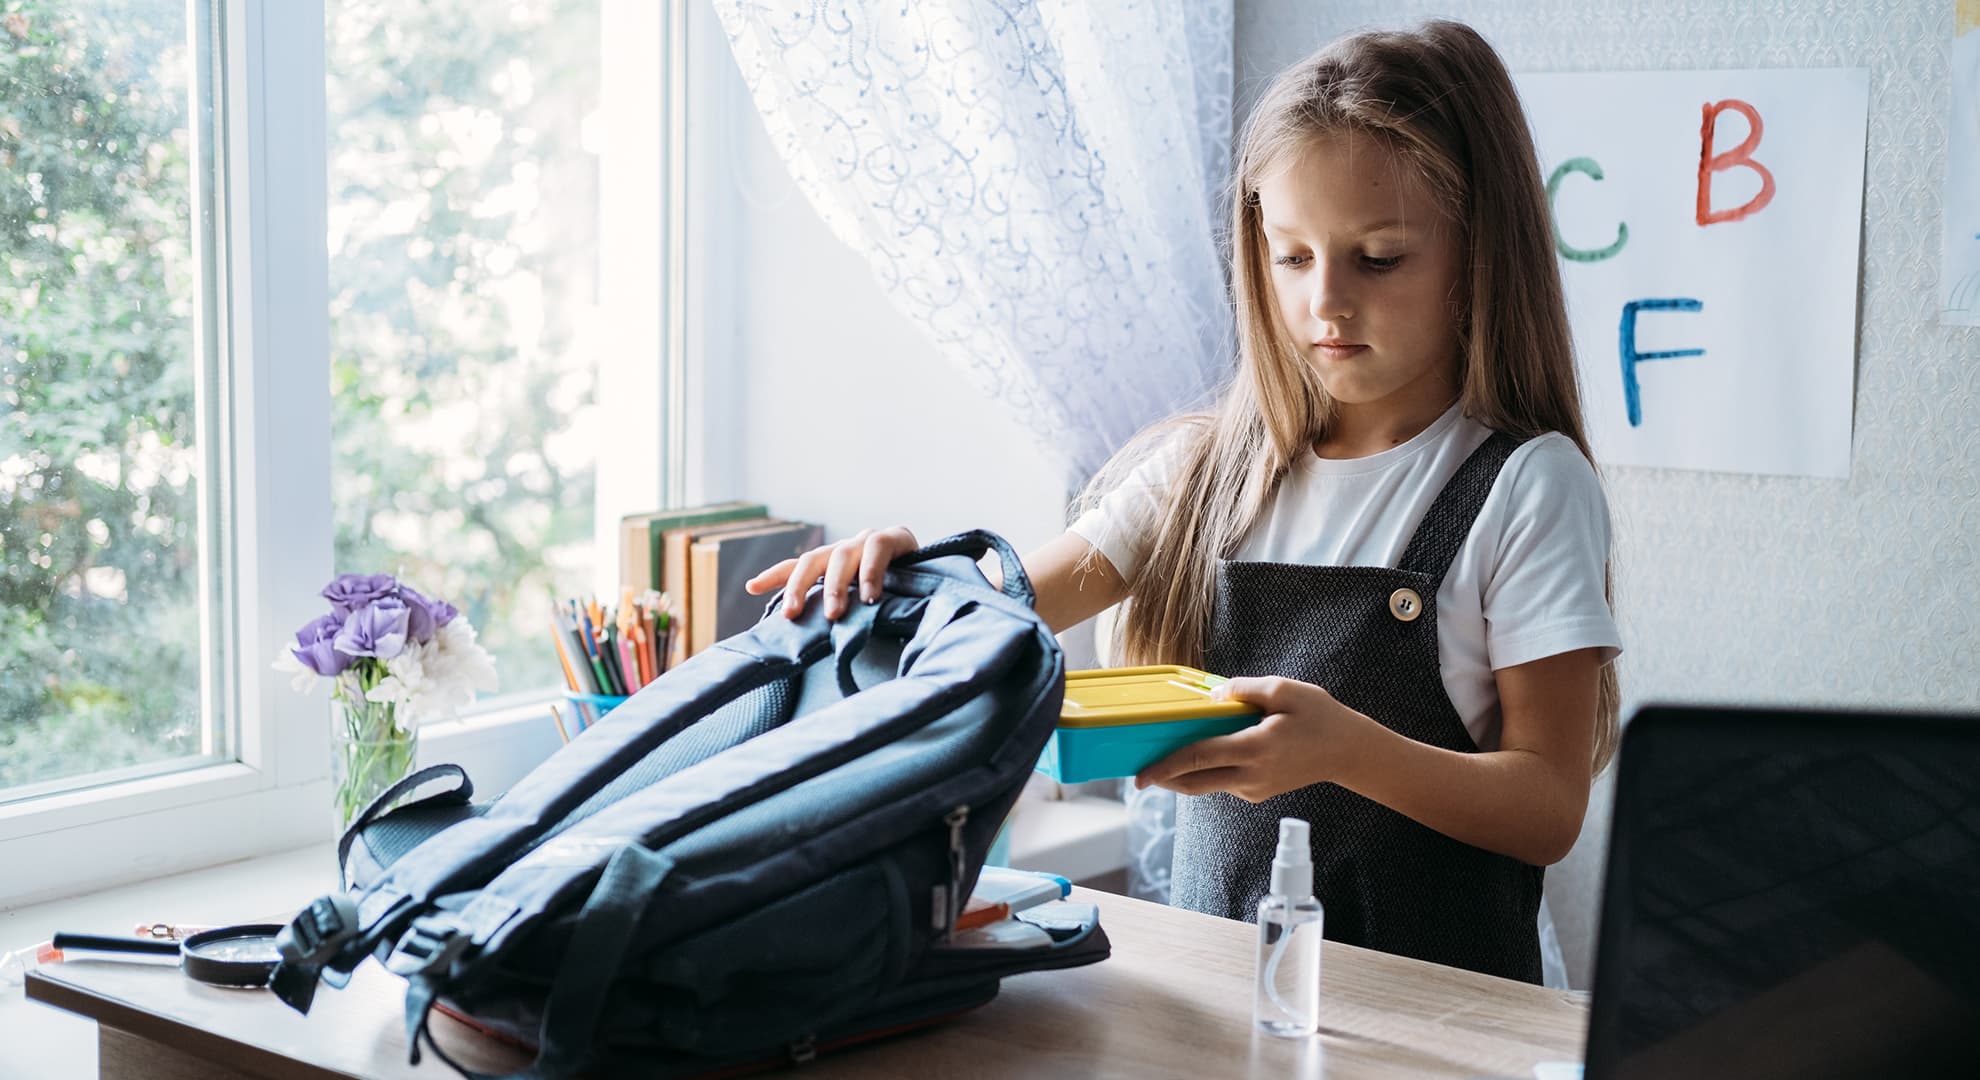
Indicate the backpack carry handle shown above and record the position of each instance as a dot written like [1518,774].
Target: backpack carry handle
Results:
[976,543]
[850,634]
[459,794]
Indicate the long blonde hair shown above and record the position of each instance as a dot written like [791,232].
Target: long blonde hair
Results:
[1442,101]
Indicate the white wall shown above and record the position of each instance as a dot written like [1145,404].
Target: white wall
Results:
[813,395]
[1772,590]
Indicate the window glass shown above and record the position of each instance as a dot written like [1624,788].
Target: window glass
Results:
[101,545]
[463,293]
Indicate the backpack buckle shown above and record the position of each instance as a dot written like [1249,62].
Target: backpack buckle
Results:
[431,942]
[311,940]
[318,931]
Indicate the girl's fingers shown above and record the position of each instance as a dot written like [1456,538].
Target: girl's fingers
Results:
[1269,693]
[771,578]
[882,548]
[863,556]
[840,569]
[1204,755]
[1205,781]
[804,571]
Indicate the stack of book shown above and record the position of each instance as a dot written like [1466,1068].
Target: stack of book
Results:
[699,558]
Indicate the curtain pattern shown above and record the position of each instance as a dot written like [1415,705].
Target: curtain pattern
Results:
[1035,184]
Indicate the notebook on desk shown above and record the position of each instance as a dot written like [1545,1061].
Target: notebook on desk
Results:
[1791,893]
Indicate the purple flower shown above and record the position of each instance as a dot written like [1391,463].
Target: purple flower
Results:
[351,592]
[426,614]
[316,650]
[378,629]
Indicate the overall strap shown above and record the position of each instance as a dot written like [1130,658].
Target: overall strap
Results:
[1451,516]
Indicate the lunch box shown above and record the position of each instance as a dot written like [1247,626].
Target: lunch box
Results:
[1117,721]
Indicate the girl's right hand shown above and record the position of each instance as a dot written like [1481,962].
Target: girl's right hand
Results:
[865,556]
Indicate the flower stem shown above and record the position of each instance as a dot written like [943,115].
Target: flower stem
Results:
[371,752]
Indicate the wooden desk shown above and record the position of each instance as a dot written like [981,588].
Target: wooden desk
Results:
[1173,1000]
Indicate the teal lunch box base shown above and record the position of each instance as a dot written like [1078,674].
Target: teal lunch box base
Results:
[1076,755]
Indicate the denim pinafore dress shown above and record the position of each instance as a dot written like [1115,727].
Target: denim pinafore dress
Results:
[1368,635]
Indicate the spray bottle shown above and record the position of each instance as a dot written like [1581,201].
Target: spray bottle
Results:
[1286,1000]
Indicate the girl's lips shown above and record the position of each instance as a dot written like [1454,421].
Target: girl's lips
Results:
[1340,352]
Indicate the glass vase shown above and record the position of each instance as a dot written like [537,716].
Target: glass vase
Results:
[369,752]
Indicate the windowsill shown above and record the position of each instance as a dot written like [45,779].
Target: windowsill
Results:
[1079,838]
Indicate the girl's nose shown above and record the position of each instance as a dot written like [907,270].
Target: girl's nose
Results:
[1330,300]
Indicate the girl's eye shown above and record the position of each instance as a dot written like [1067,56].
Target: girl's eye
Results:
[1381,266]
[1291,260]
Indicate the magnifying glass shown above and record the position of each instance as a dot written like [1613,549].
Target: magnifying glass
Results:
[236,956]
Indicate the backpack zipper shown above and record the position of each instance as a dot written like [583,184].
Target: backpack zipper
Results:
[957,867]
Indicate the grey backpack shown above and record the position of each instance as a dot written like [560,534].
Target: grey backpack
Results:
[758,857]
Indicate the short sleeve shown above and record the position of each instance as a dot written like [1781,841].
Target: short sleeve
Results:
[1122,524]
[1544,595]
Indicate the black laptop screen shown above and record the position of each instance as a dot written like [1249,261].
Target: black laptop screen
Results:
[1791,894]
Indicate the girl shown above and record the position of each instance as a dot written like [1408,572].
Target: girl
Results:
[1389,526]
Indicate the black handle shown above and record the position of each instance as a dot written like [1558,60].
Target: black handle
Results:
[975,544]
[106,943]
[460,793]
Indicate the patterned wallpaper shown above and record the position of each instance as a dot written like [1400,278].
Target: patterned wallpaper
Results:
[1756,589]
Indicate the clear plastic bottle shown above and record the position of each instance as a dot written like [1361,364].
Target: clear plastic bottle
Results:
[1286,998]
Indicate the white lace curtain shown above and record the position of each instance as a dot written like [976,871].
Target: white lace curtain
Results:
[1034,183]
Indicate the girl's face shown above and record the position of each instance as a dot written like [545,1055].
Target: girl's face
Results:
[1365,273]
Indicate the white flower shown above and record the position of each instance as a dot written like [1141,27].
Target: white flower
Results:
[405,680]
[464,658]
[300,676]
[438,678]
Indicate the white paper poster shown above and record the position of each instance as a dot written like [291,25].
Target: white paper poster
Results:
[1706,227]
[1959,270]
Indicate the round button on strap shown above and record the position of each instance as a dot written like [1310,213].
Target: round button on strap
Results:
[1405,604]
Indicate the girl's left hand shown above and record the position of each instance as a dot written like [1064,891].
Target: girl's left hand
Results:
[1305,737]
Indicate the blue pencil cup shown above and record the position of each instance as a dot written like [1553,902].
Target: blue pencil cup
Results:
[580,711]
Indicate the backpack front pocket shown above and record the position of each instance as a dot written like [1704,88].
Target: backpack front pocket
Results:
[783,970]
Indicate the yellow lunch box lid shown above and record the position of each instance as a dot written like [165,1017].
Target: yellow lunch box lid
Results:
[1105,697]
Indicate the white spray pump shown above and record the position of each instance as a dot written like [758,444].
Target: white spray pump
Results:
[1287,998]
[1292,867]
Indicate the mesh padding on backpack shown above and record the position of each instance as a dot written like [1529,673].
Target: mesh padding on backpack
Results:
[885,774]
[766,707]
[393,835]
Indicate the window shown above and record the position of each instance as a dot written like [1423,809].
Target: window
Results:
[204,349]
[161,335]
[104,612]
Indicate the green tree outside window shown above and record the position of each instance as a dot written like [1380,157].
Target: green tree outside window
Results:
[463,284]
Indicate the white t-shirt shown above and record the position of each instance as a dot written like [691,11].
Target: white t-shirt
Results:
[1526,583]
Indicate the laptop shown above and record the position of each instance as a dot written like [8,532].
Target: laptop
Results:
[1791,893]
